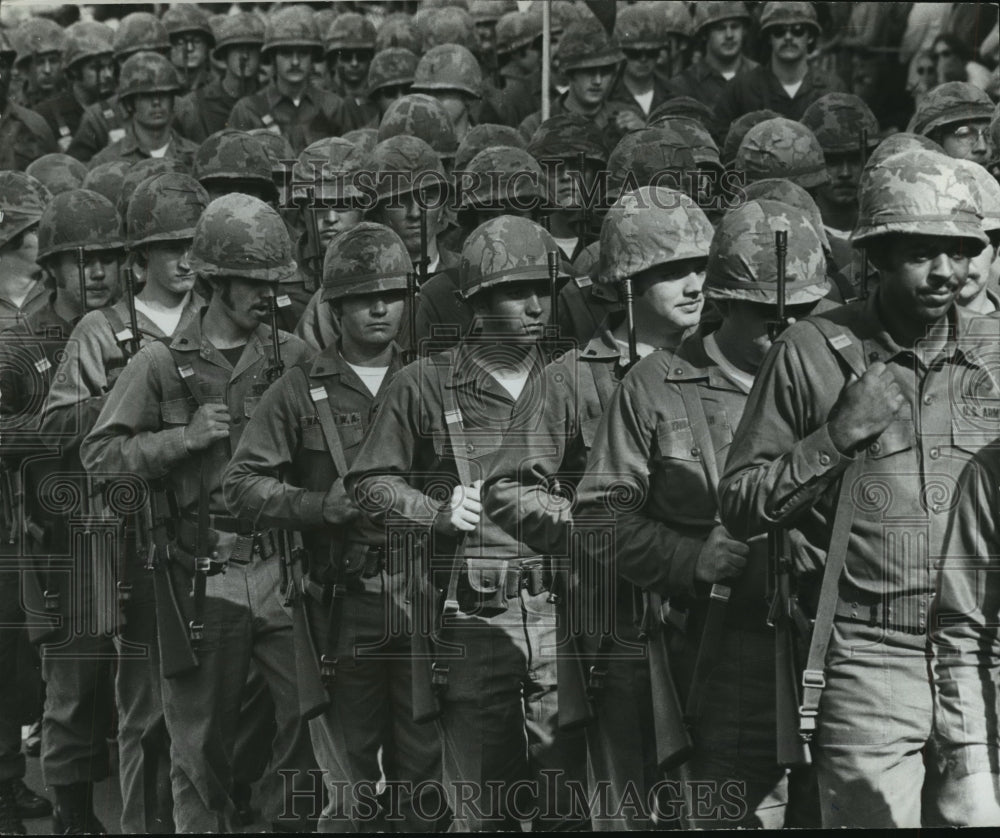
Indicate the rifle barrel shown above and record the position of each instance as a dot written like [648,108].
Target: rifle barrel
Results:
[633,350]
[781,252]
[553,256]
[272,310]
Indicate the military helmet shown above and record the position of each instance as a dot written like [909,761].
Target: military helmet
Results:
[448,67]
[782,148]
[738,130]
[953,101]
[291,26]
[276,146]
[504,250]
[363,138]
[564,13]
[331,168]
[391,67]
[482,136]
[709,12]
[403,164]
[988,194]
[350,31]
[586,44]
[502,176]
[187,17]
[651,226]
[140,32]
[22,200]
[147,72]
[232,30]
[421,116]
[565,136]
[240,236]
[164,207]
[59,172]
[902,141]
[366,259]
[515,30]
[234,156]
[86,39]
[107,178]
[837,120]
[743,265]
[919,192]
[676,20]
[449,25]
[649,157]
[397,30]
[696,136]
[136,174]
[490,11]
[79,219]
[637,27]
[995,136]
[788,13]
[783,190]
[680,106]
[37,36]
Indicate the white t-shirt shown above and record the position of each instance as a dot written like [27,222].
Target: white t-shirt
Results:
[643,349]
[792,89]
[371,376]
[514,385]
[567,246]
[159,152]
[741,379]
[645,100]
[729,76]
[166,319]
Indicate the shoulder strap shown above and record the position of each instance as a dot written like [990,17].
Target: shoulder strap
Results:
[122,332]
[456,432]
[844,345]
[320,397]
[604,383]
[695,411]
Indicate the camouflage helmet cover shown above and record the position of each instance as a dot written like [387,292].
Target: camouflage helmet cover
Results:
[738,130]
[330,167]
[136,174]
[645,157]
[500,176]
[291,26]
[677,19]
[107,178]
[680,106]
[79,219]
[366,259]
[164,207]
[147,72]
[482,136]
[651,226]
[517,29]
[243,28]
[140,32]
[987,191]
[709,12]
[902,141]
[403,164]
[503,250]
[837,120]
[234,155]
[565,136]
[364,139]
[59,172]
[187,17]
[696,136]
[586,44]
[783,190]
[421,116]
[241,236]
[37,36]
[8,53]
[391,67]
[277,148]
[490,11]
[742,263]
[22,200]
[787,13]
[449,25]
[86,39]
[397,30]
[448,67]
[636,27]
[782,148]
[350,31]
[953,101]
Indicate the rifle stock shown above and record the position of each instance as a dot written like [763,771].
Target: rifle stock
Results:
[575,705]
[426,703]
[673,742]
[314,700]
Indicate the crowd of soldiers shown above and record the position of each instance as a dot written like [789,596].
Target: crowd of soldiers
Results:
[477,416]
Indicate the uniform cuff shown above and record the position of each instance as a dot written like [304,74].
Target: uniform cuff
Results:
[960,761]
[311,509]
[173,445]
[816,456]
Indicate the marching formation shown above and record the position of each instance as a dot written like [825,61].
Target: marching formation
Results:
[492,415]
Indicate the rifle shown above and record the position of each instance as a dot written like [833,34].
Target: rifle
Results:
[633,344]
[134,341]
[81,273]
[553,257]
[575,691]
[243,74]
[315,259]
[429,676]
[863,152]
[412,292]
[273,372]
[778,325]
[586,218]
[424,263]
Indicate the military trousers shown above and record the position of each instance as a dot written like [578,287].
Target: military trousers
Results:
[11,620]
[371,712]
[244,620]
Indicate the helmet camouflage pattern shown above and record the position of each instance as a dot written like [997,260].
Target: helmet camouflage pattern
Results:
[565,136]
[987,191]
[902,141]
[517,29]
[366,259]
[417,164]
[651,226]
[953,101]
[391,67]
[645,158]
[743,265]
[786,192]
[738,130]
[86,39]
[37,36]
[564,13]
[164,207]
[586,44]
[490,11]
[504,250]
[422,116]
[837,120]
[8,53]
[330,167]
[919,192]
[680,106]
[448,67]
[397,30]
[59,172]
[677,19]
[787,14]
[147,72]
[291,26]
[136,174]
[696,136]
[782,148]
[482,136]
[107,178]
[500,176]
[140,32]
[231,30]
[234,155]
[710,12]
[22,200]
[79,218]
[638,27]
[363,138]
[350,31]
[276,146]
[449,25]
[187,17]
[240,236]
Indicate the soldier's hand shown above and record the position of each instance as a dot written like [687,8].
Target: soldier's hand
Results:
[465,509]
[338,508]
[629,121]
[866,407]
[209,424]
[721,557]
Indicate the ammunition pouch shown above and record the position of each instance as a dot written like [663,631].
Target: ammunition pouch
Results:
[359,562]
[226,547]
[484,586]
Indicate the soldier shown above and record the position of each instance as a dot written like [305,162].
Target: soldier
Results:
[22,289]
[233,161]
[89,70]
[785,82]
[291,104]
[738,130]
[57,172]
[422,117]
[485,14]
[104,121]
[720,27]
[979,292]
[678,28]
[519,59]
[205,110]
[350,48]
[450,73]
[956,115]
[172,416]
[397,30]
[24,135]
[390,76]
[883,412]
[107,178]
[658,239]
[286,473]
[783,148]
[448,25]
[483,136]
[39,60]
[641,41]
[436,432]
[147,86]
[191,42]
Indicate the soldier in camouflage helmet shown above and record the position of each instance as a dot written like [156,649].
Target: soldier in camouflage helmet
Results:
[24,135]
[59,172]
[390,76]
[191,42]
[450,73]
[147,87]
[639,32]
[895,143]
[518,73]
[978,294]
[956,115]
[423,117]
[364,287]
[483,136]
[233,161]
[681,106]
[856,384]
[513,735]
[485,14]
[651,157]
[22,199]
[397,30]
[738,130]
[350,48]
[241,248]
[364,138]
[39,58]
[782,148]
[449,25]
[107,178]
[140,32]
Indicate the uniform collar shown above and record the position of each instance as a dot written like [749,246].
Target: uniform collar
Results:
[275,96]
[189,338]
[692,363]
[602,346]
[331,364]
[465,370]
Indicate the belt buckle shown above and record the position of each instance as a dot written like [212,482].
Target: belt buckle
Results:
[196,631]
[51,600]
[327,669]
[124,592]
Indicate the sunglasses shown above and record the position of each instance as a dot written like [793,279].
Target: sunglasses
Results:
[796,29]
[359,55]
[636,53]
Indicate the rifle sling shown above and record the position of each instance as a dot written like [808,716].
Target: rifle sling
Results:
[320,397]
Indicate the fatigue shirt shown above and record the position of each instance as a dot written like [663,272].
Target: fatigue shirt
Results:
[128,149]
[102,123]
[38,298]
[785,470]
[357,113]
[202,112]
[603,119]
[583,306]
[621,95]
[313,119]
[63,114]
[645,475]
[282,469]
[141,427]
[758,89]
[407,458]
[703,83]
[24,137]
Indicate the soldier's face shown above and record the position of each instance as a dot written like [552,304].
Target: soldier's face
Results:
[528,58]
[332,221]
[97,76]
[591,85]
[352,65]
[980,269]
[640,62]
[188,51]
[100,273]
[845,173]
[371,321]
[517,310]
[167,265]
[725,39]
[789,43]
[967,140]
[243,61]
[153,111]
[44,74]
[672,293]
[293,65]
[921,276]
[405,218]
[246,302]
